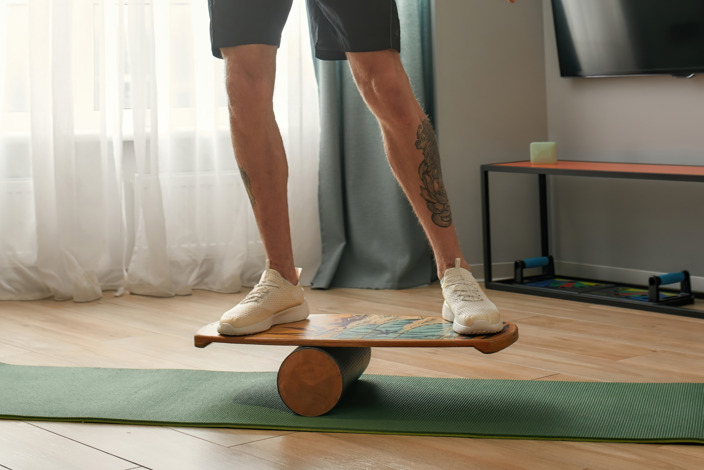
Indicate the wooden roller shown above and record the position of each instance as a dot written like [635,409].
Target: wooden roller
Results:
[312,380]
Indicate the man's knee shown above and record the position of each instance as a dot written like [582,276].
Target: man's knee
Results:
[249,77]
[383,83]
[247,95]
[376,73]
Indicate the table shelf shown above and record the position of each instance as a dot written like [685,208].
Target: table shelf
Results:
[590,290]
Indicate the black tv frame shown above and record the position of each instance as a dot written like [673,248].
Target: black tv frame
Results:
[567,55]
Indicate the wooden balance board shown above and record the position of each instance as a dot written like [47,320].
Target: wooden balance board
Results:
[335,349]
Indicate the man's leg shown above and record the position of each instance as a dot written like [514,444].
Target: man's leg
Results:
[413,154]
[410,147]
[250,74]
[278,297]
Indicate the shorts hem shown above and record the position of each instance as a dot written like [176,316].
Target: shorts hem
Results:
[327,54]
[218,54]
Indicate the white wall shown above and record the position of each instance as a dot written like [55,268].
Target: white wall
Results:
[498,89]
[491,103]
[618,229]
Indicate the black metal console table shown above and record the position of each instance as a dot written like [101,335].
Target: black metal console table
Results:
[587,290]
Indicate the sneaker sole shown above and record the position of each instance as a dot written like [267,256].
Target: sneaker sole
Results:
[479,327]
[290,315]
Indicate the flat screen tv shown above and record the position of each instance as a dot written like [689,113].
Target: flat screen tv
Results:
[629,37]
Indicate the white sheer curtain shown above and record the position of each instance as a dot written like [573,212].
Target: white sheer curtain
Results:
[116,168]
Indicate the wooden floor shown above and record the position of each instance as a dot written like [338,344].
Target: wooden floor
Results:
[560,340]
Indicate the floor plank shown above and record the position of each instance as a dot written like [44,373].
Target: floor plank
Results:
[26,447]
[231,437]
[158,448]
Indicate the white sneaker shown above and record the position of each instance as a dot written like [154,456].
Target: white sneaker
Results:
[272,301]
[465,305]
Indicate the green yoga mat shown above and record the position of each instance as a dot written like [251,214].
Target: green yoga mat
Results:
[625,412]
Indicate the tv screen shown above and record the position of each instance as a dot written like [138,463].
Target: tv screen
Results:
[629,37]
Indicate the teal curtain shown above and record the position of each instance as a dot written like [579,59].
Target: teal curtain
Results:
[370,236]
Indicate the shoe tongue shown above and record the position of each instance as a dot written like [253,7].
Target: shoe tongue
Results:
[455,273]
[455,276]
[273,276]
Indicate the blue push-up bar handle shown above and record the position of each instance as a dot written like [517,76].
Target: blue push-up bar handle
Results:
[536,262]
[544,262]
[671,278]
[685,286]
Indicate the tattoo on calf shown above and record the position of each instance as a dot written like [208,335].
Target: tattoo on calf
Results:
[432,188]
[247,186]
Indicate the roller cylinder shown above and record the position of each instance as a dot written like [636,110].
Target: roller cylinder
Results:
[311,381]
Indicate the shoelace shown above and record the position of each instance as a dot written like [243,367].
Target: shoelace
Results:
[259,291]
[464,289]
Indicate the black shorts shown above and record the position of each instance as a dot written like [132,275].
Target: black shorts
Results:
[336,26]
